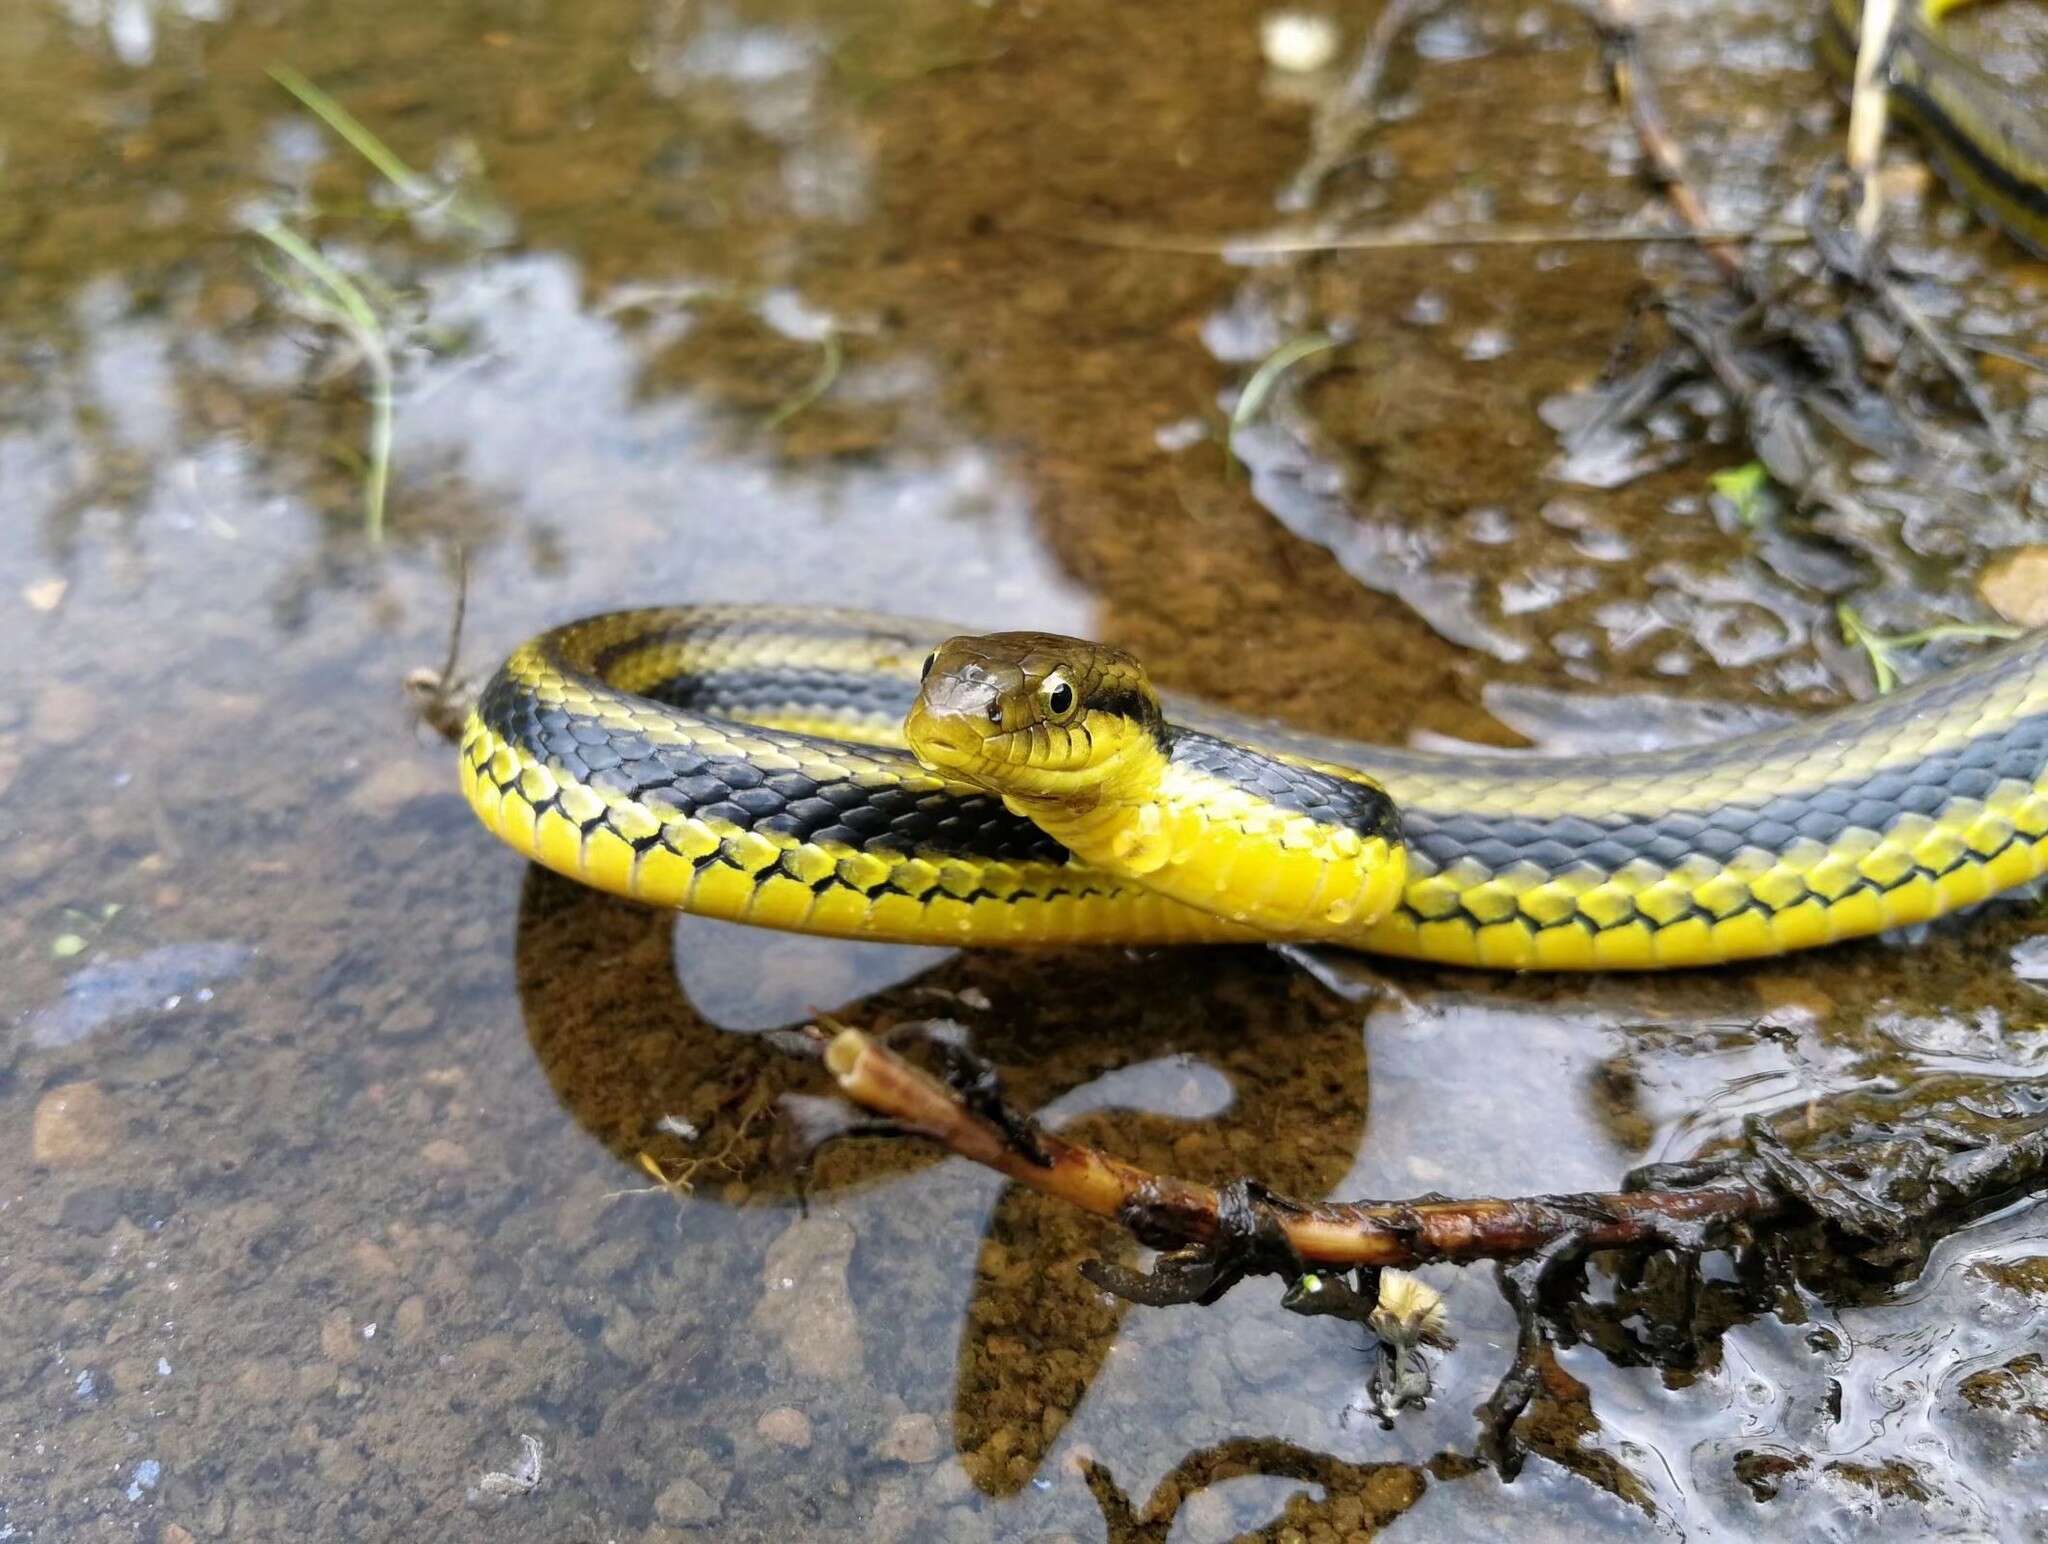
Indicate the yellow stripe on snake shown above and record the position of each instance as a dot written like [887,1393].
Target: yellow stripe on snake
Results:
[872,777]
[1988,136]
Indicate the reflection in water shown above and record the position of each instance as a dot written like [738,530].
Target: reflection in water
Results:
[1602,1078]
[1216,1490]
[1096,1039]
[106,992]
[588,442]
[740,979]
[314,1254]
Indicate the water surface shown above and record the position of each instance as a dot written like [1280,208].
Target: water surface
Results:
[327,1180]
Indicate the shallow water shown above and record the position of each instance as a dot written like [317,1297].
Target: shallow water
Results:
[324,1184]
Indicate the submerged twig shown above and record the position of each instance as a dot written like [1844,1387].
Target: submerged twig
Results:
[1879,1191]
[1170,1213]
[1347,117]
[441,699]
[1998,348]
[1635,89]
[1945,354]
[1415,237]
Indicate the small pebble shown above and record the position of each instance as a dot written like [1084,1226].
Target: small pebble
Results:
[373,1259]
[786,1426]
[411,1319]
[685,1504]
[2016,586]
[806,1303]
[73,1123]
[394,783]
[912,1439]
[1485,343]
[1207,1519]
[1297,41]
[338,1337]
[63,714]
[411,1017]
[1427,309]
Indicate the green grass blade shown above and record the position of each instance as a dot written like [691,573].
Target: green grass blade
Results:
[820,382]
[1259,389]
[350,128]
[343,304]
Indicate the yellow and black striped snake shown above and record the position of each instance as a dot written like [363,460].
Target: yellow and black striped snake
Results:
[750,763]
[1988,137]
[870,777]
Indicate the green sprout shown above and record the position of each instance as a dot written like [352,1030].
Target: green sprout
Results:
[1266,379]
[420,191]
[1743,486]
[833,356]
[349,128]
[1884,648]
[85,926]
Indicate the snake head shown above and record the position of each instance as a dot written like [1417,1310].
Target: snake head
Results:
[1035,716]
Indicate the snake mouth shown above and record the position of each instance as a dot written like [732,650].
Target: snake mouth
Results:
[946,742]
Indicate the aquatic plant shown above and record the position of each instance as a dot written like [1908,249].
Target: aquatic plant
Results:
[328,295]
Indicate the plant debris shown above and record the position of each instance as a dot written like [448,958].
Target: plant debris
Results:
[522,1479]
[1872,1194]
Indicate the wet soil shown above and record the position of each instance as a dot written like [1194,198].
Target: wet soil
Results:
[345,1154]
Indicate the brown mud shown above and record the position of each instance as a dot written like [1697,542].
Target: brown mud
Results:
[327,1178]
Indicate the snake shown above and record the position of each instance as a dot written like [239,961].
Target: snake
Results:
[1986,136]
[861,776]
[872,777]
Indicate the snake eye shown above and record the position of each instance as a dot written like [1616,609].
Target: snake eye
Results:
[1059,697]
[930,660]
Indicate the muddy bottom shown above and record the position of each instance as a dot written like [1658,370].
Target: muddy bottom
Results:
[363,1184]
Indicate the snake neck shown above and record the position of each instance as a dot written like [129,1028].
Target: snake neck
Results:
[1270,844]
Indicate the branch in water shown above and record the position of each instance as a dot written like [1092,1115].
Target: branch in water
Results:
[1635,89]
[1880,1191]
[1169,1213]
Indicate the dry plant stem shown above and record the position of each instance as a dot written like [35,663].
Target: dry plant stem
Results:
[441,699]
[1867,111]
[1945,354]
[1178,1213]
[1637,93]
[1409,238]
[1347,118]
[461,612]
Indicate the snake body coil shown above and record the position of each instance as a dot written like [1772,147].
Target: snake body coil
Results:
[1987,136]
[748,764]
[751,764]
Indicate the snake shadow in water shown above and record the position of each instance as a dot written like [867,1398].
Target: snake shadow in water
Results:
[1131,1045]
